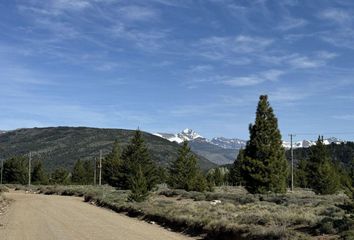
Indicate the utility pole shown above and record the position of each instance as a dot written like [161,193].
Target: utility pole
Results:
[2,167]
[292,161]
[94,171]
[29,168]
[100,170]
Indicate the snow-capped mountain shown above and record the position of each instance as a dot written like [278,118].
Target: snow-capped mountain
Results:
[309,143]
[233,143]
[190,135]
[186,135]
[218,150]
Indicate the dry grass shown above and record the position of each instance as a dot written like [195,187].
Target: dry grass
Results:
[238,215]
[4,202]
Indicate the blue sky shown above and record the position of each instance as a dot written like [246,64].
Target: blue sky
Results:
[165,65]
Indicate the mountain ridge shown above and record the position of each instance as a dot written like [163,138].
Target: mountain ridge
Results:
[62,146]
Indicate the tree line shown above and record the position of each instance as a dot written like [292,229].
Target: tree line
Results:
[261,167]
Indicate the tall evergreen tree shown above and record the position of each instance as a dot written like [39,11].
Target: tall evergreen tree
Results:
[264,168]
[184,171]
[78,173]
[111,167]
[38,175]
[135,156]
[235,176]
[323,178]
[180,174]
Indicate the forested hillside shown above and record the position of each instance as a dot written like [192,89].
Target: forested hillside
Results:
[62,146]
[340,153]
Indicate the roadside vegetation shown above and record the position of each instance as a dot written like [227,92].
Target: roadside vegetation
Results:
[4,202]
[227,212]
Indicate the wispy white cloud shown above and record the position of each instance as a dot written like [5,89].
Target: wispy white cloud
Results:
[286,94]
[300,61]
[290,23]
[56,7]
[147,40]
[343,35]
[254,79]
[347,117]
[238,44]
[138,13]
[336,15]
[201,68]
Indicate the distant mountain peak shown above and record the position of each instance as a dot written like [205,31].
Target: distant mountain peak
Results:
[190,135]
[308,143]
[186,135]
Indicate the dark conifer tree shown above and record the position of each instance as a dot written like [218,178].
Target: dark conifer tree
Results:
[111,167]
[89,172]
[323,177]
[16,170]
[301,174]
[60,176]
[138,186]
[218,177]
[136,156]
[78,173]
[182,171]
[235,176]
[200,183]
[264,168]
[38,175]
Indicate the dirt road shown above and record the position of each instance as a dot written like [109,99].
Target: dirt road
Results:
[41,217]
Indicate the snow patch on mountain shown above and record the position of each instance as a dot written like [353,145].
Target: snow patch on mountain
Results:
[235,143]
[227,143]
[309,143]
[190,135]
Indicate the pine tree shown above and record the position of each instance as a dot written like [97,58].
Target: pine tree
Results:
[78,174]
[301,174]
[136,155]
[138,186]
[111,167]
[183,170]
[60,176]
[323,178]
[218,177]
[38,175]
[235,176]
[200,182]
[161,175]
[264,168]
[89,172]
[16,170]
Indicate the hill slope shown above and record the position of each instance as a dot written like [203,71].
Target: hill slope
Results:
[340,153]
[62,146]
[213,152]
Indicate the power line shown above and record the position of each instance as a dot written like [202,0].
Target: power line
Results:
[29,168]
[100,170]
[2,167]
[292,160]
